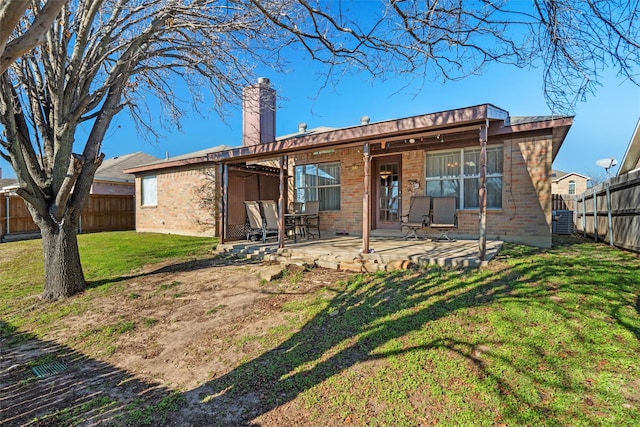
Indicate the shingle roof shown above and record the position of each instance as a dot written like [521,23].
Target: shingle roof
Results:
[113,168]
[193,157]
[6,182]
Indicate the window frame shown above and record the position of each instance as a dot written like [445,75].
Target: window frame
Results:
[571,187]
[456,159]
[316,187]
[143,197]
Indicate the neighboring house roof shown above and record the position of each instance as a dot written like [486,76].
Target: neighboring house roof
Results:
[113,169]
[631,160]
[557,176]
[8,182]
[182,160]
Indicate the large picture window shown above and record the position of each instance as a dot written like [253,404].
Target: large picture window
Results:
[319,181]
[149,191]
[457,173]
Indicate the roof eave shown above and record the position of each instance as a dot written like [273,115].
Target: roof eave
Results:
[559,128]
[168,164]
[632,155]
[358,135]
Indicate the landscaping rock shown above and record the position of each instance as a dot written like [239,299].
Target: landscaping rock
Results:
[271,272]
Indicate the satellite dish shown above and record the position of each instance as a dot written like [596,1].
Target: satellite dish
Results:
[607,163]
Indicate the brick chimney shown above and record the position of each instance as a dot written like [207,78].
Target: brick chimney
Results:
[258,113]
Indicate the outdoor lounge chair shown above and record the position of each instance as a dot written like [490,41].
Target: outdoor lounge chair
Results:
[271,217]
[312,218]
[417,218]
[444,217]
[256,226]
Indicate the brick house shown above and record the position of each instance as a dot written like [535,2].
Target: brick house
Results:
[364,175]
[170,193]
[568,182]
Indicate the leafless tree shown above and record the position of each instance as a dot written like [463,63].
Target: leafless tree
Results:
[103,56]
[35,24]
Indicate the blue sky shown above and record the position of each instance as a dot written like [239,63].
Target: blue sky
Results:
[603,125]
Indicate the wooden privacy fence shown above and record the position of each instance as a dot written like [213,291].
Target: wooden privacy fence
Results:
[102,213]
[611,212]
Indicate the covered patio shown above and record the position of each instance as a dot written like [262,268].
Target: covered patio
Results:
[386,253]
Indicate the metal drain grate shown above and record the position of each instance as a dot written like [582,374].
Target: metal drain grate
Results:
[48,369]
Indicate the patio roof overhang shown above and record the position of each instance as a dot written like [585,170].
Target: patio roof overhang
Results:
[378,135]
[444,129]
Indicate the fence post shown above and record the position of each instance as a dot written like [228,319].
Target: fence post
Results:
[609,215]
[584,217]
[7,203]
[595,214]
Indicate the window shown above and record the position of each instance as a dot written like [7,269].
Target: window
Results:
[457,173]
[572,187]
[149,190]
[321,182]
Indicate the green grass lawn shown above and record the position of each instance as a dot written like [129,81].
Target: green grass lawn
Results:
[105,258]
[541,337]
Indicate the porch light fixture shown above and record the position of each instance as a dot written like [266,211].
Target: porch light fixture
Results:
[385,174]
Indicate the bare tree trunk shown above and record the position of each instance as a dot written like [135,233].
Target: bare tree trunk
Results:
[62,267]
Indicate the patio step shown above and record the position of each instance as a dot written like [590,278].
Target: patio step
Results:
[244,250]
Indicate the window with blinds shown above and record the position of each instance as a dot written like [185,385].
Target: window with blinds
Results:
[457,173]
[319,181]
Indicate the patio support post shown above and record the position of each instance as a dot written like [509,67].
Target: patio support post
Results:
[365,199]
[482,243]
[284,164]
[222,183]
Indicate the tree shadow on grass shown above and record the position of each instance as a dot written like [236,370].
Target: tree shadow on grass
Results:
[361,321]
[218,260]
[82,391]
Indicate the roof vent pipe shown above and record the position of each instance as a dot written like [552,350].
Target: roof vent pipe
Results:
[364,120]
[302,127]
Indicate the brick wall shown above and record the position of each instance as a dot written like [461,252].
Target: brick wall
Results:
[178,207]
[524,218]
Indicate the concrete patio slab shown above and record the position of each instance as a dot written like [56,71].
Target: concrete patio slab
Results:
[345,253]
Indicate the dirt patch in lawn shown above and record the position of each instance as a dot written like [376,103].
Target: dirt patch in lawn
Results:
[144,355]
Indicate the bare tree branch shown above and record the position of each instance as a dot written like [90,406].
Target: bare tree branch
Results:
[11,11]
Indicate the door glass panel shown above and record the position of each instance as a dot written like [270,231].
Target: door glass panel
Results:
[388,192]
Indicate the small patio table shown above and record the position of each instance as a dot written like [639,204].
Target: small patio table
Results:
[297,220]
